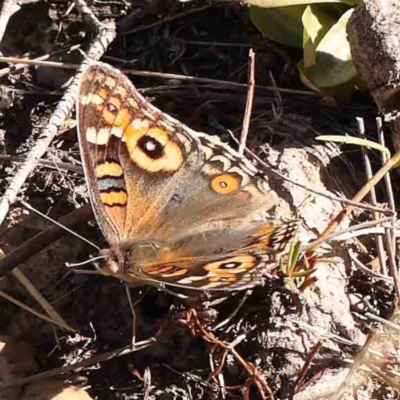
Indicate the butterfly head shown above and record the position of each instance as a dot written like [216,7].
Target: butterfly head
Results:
[125,256]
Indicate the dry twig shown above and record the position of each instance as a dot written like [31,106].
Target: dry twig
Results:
[249,102]
[357,198]
[44,239]
[162,75]
[197,329]
[79,365]
[105,35]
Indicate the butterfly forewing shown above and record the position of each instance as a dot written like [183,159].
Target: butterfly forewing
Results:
[131,153]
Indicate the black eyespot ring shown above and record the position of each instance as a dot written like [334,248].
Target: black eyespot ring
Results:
[151,147]
[230,265]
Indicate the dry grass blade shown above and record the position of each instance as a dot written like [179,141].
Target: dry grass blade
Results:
[31,289]
[375,356]
[356,141]
[11,299]
[376,215]
[357,198]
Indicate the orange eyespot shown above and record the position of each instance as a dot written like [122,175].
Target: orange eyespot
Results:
[233,265]
[151,148]
[225,184]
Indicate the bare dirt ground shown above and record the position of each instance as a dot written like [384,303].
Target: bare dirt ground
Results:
[317,325]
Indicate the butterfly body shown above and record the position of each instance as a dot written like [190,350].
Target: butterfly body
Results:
[178,207]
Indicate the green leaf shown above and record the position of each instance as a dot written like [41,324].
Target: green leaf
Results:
[333,65]
[356,141]
[283,25]
[302,274]
[294,255]
[317,20]
[289,3]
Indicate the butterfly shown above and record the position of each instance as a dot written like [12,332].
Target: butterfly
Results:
[177,207]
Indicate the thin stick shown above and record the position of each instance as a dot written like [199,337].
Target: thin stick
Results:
[358,264]
[327,195]
[388,185]
[45,163]
[44,216]
[169,19]
[356,230]
[150,74]
[7,70]
[44,239]
[249,102]
[235,311]
[393,265]
[375,214]
[133,312]
[276,112]
[357,198]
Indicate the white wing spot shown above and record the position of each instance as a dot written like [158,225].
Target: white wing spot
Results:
[91,99]
[226,163]
[110,82]
[117,131]
[121,91]
[138,123]
[99,137]
[242,174]
[91,135]
[190,279]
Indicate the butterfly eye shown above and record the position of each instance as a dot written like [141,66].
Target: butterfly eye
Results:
[225,184]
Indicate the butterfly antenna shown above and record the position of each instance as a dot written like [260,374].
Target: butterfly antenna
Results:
[89,261]
[133,311]
[29,207]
